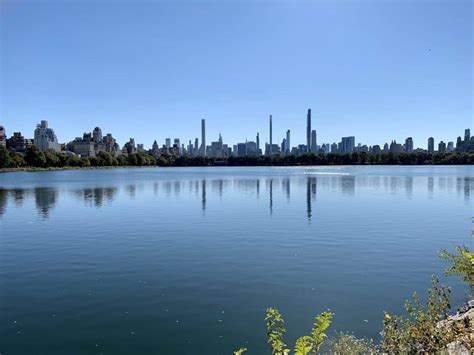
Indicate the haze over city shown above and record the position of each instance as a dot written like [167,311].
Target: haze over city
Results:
[376,70]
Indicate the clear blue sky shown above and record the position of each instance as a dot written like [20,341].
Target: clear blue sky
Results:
[379,70]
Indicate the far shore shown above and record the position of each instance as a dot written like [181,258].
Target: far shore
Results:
[38,169]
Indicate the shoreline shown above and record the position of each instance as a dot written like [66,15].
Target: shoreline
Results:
[37,169]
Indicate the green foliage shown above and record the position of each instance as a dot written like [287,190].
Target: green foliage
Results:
[349,344]
[307,344]
[36,158]
[462,264]
[419,332]
[240,351]
[4,157]
[275,333]
[322,322]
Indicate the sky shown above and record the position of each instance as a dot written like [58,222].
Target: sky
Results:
[378,70]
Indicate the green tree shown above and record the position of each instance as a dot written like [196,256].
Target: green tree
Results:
[35,157]
[4,157]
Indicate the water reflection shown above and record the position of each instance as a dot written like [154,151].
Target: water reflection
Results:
[45,199]
[279,190]
[96,196]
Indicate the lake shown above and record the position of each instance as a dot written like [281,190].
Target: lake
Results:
[186,260]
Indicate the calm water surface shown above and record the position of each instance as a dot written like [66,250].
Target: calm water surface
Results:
[185,261]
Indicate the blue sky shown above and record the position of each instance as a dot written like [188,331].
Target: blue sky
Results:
[379,70]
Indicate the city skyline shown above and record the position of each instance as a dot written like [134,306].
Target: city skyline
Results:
[91,143]
[151,75]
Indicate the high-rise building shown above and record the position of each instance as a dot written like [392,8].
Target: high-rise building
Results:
[97,135]
[467,135]
[258,141]
[45,138]
[450,147]
[288,142]
[203,137]
[431,145]
[347,144]
[3,136]
[168,143]
[270,147]
[334,148]
[409,145]
[441,147]
[196,146]
[18,143]
[308,130]
[314,146]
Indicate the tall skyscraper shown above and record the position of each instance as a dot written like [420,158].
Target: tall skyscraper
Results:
[45,138]
[196,147]
[288,142]
[409,145]
[203,137]
[168,143]
[271,138]
[258,141]
[314,146]
[348,144]
[441,147]
[431,145]
[308,130]
[467,135]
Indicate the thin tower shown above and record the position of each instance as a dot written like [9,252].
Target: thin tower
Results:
[203,137]
[271,142]
[308,130]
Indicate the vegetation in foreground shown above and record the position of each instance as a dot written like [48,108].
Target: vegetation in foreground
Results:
[34,158]
[425,330]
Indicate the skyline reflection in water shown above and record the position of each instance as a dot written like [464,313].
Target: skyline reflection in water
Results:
[46,197]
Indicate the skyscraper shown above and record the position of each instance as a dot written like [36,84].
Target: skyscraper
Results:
[45,138]
[347,144]
[288,142]
[271,141]
[314,146]
[308,130]
[431,145]
[409,145]
[203,137]
[258,141]
[441,147]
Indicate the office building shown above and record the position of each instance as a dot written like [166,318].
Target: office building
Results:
[431,145]
[269,148]
[314,146]
[409,145]
[18,143]
[441,147]
[45,138]
[203,137]
[347,144]
[308,130]
[288,142]
[450,147]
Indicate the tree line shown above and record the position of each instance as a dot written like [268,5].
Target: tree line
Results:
[34,158]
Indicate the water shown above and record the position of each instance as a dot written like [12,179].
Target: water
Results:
[186,260]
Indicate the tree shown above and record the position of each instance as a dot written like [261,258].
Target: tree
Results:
[35,157]
[4,157]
